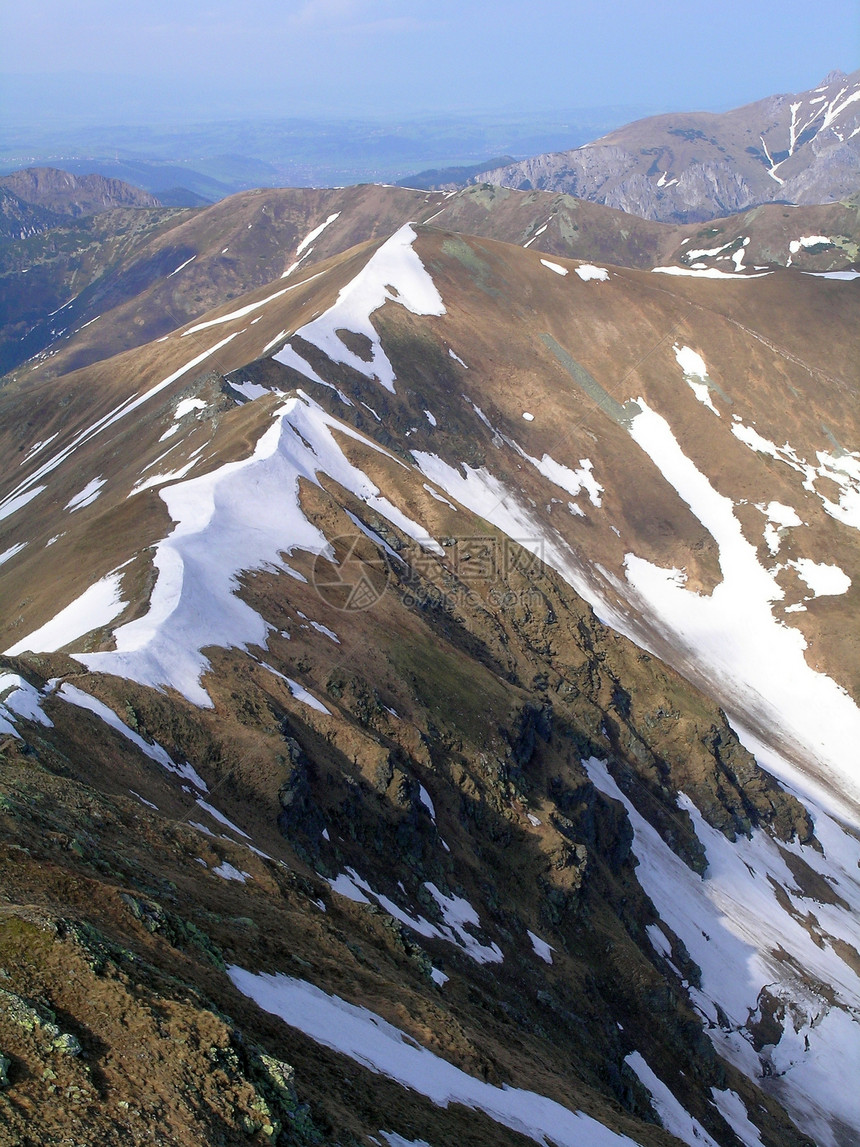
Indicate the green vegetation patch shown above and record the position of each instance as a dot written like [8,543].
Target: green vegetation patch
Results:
[474,264]
[623,415]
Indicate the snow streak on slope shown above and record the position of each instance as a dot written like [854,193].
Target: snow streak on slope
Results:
[87,496]
[7,555]
[394,273]
[710,273]
[378,1045]
[151,749]
[18,698]
[755,664]
[245,310]
[749,654]
[27,488]
[240,517]
[97,606]
[696,375]
[674,1117]
[484,494]
[457,913]
[304,248]
[766,947]
[842,469]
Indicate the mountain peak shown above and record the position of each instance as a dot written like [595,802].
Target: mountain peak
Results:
[67,194]
[695,166]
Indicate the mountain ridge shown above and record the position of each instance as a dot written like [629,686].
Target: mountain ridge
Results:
[465,814]
[141,274]
[66,194]
[691,167]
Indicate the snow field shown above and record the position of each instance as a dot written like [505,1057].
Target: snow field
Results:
[225,525]
[746,924]
[393,273]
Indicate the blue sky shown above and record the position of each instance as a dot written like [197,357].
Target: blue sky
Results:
[409,57]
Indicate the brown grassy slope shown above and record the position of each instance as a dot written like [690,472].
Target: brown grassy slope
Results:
[119,273]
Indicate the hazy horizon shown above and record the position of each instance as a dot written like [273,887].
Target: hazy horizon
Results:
[100,64]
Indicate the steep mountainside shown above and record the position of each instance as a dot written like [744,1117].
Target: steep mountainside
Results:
[429,695]
[690,167]
[67,194]
[20,220]
[75,295]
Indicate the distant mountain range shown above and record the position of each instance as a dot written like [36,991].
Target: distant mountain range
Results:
[694,166]
[38,198]
[67,194]
[216,159]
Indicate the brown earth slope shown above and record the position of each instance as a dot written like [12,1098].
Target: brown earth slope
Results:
[468,725]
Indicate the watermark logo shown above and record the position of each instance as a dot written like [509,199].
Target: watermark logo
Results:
[481,559]
[359,575]
[357,579]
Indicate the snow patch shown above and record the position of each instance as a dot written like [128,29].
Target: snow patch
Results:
[96,607]
[344,885]
[302,694]
[779,519]
[329,633]
[227,872]
[674,1117]
[252,390]
[824,580]
[845,276]
[242,311]
[733,1110]
[709,273]
[589,273]
[224,525]
[695,374]
[187,405]
[216,814]
[752,659]
[842,469]
[808,241]
[151,749]
[317,231]
[87,496]
[370,1040]
[749,927]
[541,948]
[7,555]
[18,698]
[181,265]
[459,915]
[160,479]
[426,800]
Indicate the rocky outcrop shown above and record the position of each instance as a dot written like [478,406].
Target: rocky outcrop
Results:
[63,193]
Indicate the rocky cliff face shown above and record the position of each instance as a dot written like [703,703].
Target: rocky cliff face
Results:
[38,200]
[20,219]
[76,195]
[694,167]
